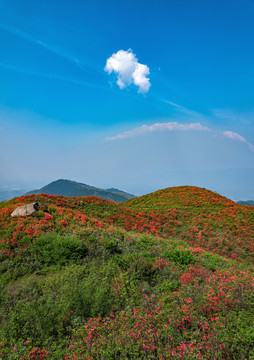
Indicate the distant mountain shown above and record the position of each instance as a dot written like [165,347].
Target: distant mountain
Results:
[121,193]
[74,189]
[247,202]
[10,194]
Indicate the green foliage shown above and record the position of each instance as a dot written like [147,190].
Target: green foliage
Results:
[90,237]
[47,308]
[145,271]
[182,257]
[145,241]
[168,286]
[125,261]
[112,246]
[213,261]
[239,335]
[40,214]
[52,249]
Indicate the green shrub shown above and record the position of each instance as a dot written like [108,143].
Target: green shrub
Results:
[112,246]
[145,271]
[145,241]
[213,262]
[169,286]
[52,249]
[40,214]
[124,261]
[239,335]
[182,257]
[46,309]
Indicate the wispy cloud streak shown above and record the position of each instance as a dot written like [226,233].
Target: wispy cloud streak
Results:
[234,136]
[244,117]
[184,110]
[54,50]
[170,126]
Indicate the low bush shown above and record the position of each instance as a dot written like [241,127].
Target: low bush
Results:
[182,257]
[168,286]
[112,246]
[52,249]
[145,241]
[213,262]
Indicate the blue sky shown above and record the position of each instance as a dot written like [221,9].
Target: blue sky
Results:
[138,95]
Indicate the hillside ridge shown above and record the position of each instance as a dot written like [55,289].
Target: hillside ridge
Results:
[72,188]
[179,196]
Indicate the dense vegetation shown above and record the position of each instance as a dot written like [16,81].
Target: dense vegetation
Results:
[164,276]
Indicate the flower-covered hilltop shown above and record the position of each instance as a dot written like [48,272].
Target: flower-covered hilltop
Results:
[163,276]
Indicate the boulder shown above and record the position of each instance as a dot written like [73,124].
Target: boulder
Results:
[26,210]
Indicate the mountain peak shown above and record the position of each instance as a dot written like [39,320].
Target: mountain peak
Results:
[65,187]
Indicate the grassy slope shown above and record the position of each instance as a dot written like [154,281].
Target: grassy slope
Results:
[166,275]
[203,218]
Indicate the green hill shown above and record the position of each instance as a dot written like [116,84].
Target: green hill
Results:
[181,197]
[75,189]
[167,275]
[200,217]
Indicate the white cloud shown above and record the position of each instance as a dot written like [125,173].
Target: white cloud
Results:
[170,126]
[175,126]
[128,70]
[234,136]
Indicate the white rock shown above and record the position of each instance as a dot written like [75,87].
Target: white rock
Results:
[26,210]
